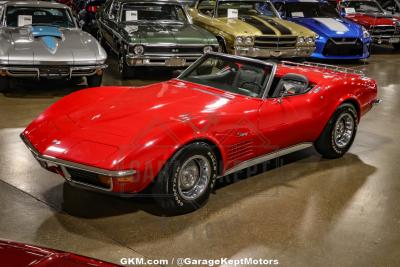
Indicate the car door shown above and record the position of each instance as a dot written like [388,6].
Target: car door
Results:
[286,120]
[109,23]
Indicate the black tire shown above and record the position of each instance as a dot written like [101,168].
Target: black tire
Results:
[396,46]
[94,80]
[222,45]
[167,188]
[327,145]
[125,71]
[4,84]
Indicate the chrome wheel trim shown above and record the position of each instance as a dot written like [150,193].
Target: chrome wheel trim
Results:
[344,130]
[194,177]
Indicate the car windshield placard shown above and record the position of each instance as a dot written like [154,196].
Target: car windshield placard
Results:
[153,12]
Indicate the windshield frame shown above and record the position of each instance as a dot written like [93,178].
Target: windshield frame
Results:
[188,21]
[67,10]
[273,9]
[382,11]
[267,85]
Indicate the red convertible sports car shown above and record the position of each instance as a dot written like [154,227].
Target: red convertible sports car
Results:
[221,115]
[13,254]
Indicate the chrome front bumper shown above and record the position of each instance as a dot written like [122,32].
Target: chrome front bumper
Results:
[385,39]
[39,72]
[267,53]
[161,61]
[47,162]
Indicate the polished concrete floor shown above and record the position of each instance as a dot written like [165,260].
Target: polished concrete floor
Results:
[301,210]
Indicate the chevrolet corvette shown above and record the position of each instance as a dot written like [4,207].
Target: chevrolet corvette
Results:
[221,115]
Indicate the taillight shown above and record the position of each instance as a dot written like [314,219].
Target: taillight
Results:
[92,9]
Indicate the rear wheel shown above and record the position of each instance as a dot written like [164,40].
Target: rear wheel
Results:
[94,80]
[338,135]
[4,84]
[124,70]
[185,182]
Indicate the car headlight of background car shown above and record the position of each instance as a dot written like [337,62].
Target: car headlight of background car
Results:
[137,50]
[244,41]
[365,32]
[302,40]
[208,49]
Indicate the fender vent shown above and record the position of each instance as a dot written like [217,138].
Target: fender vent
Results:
[241,150]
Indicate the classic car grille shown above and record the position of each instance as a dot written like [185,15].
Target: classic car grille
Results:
[333,48]
[173,50]
[85,177]
[275,42]
[384,30]
[54,70]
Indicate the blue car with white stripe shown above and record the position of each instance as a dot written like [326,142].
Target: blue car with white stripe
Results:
[338,38]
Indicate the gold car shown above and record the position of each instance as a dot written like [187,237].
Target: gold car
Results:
[252,28]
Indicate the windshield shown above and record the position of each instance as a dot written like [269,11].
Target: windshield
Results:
[231,75]
[361,7]
[153,12]
[23,16]
[235,9]
[310,10]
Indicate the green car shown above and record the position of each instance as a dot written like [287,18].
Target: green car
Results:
[152,33]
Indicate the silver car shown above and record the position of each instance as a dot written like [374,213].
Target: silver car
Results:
[41,40]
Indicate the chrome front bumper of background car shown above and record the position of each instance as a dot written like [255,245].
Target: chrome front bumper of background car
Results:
[48,163]
[51,72]
[266,53]
[161,60]
[386,39]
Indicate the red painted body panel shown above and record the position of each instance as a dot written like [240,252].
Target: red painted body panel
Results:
[22,255]
[369,21]
[121,128]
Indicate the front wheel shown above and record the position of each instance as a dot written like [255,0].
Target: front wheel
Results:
[124,70]
[4,84]
[94,80]
[338,135]
[185,182]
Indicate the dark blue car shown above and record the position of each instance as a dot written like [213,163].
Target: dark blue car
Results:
[338,38]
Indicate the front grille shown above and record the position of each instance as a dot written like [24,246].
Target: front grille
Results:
[344,40]
[85,177]
[275,42]
[54,70]
[343,49]
[173,50]
[384,30]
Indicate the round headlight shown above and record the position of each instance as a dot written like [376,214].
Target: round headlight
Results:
[248,41]
[207,49]
[301,40]
[239,40]
[309,40]
[138,50]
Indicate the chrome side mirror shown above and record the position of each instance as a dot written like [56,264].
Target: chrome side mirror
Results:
[284,93]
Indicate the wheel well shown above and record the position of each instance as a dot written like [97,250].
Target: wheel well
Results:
[355,104]
[216,151]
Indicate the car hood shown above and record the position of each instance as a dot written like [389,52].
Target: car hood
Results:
[261,25]
[48,45]
[181,34]
[368,20]
[331,27]
[113,117]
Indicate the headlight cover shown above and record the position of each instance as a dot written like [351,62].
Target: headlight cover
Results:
[244,40]
[138,50]
[365,32]
[309,40]
[301,40]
